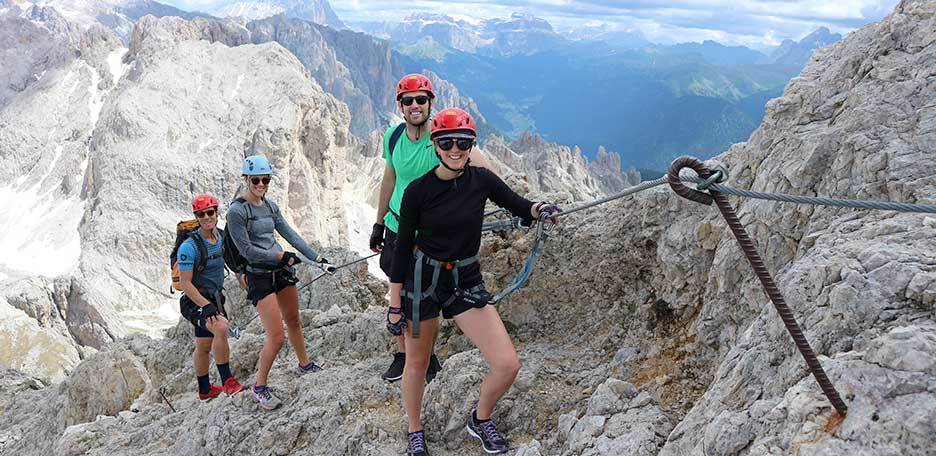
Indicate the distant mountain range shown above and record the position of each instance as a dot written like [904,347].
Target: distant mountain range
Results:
[518,34]
[590,87]
[318,11]
[597,87]
[798,52]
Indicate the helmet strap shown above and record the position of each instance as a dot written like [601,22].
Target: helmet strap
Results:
[459,171]
[419,126]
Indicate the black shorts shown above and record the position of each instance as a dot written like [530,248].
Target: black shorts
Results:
[187,309]
[263,284]
[386,255]
[469,277]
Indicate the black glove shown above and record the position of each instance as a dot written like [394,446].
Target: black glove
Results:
[396,328]
[284,262]
[377,237]
[207,311]
[547,210]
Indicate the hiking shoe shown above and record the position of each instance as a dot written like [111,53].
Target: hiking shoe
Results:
[434,367]
[486,432]
[311,367]
[213,392]
[232,386]
[265,397]
[417,444]
[395,372]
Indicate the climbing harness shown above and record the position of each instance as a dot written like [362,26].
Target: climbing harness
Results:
[542,232]
[474,294]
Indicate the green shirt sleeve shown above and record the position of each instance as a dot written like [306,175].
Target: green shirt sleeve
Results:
[386,145]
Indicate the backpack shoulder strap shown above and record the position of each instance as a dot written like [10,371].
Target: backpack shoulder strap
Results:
[202,254]
[395,136]
[241,200]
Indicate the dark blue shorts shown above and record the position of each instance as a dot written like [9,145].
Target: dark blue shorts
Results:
[187,308]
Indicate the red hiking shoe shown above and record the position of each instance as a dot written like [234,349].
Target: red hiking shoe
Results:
[212,393]
[232,386]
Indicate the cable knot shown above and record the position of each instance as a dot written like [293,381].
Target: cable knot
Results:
[701,169]
[720,175]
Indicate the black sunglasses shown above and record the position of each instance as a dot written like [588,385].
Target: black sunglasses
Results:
[420,100]
[257,180]
[447,143]
[205,213]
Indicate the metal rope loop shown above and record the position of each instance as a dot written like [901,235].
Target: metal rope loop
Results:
[704,185]
[676,184]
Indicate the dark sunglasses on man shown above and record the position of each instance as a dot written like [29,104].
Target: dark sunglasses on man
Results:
[258,180]
[205,213]
[462,143]
[419,99]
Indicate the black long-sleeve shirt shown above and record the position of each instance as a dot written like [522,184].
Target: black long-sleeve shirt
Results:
[448,216]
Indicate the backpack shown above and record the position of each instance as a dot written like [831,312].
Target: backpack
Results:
[232,256]
[184,230]
[395,137]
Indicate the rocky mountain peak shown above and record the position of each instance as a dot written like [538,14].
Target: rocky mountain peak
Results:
[792,52]
[318,11]
[520,22]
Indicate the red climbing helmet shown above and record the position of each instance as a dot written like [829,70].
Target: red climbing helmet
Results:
[204,201]
[453,123]
[414,83]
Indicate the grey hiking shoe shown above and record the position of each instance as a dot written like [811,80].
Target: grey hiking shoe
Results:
[486,432]
[264,396]
[417,444]
[311,367]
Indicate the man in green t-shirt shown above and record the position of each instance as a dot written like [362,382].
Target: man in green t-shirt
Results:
[411,156]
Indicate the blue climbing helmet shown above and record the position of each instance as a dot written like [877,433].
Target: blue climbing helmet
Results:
[256,165]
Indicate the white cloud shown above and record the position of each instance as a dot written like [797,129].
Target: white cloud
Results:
[756,23]
[751,22]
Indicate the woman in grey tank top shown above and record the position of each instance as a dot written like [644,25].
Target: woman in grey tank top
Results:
[270,272]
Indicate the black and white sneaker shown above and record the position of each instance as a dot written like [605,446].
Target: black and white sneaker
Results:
[434,367]
[486,432]
[395,371]
[417,444]
[307,369]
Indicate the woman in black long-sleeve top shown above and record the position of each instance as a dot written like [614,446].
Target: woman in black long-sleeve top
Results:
[436,260]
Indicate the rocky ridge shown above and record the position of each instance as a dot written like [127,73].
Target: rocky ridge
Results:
[546,167]
[154,96]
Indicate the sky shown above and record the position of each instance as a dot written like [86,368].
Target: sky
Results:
[754,23]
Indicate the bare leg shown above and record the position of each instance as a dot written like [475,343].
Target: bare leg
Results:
[486,331]
[288,299]
[414,373]
[273,327]
[202,355]
[219,347]
[400,344]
